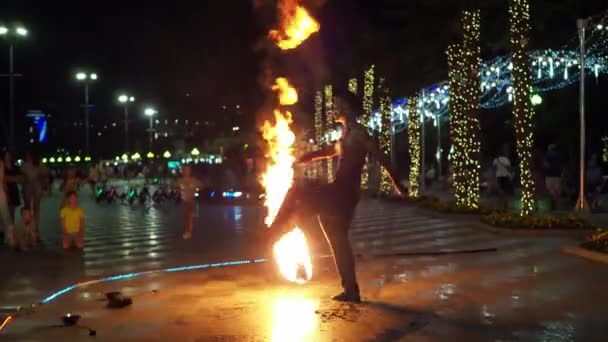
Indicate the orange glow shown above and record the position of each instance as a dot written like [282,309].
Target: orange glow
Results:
[294,319]
[291,251]
[296,25]
[287,94]
[293,257]
[279,174]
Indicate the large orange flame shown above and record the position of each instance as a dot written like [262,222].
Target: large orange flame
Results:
[291,251]
[296,25]
[287,94]
[279,174]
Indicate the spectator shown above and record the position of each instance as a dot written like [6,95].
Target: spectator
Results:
[34,180]
[593,179]
[25,234]
[504,176]
[5,219]
[553,175]
[71,183]
[188,186]
[72,222]
[12,178]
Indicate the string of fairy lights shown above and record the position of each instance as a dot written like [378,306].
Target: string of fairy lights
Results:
[353,85]
[366,115]
[318,124]
[457,121]
[414,147]
[550,69]
[519,19]
[329,123]
[471,60]
[386,185]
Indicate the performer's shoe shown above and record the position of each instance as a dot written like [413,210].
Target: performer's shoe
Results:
[345,297]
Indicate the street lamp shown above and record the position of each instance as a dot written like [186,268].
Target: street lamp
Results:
[125,99]
[150,112]
[12,35]
[86,79]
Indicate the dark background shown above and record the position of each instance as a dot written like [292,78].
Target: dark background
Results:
[191,58]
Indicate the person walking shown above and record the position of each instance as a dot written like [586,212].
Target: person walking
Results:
[34,175]
[334,203]
[504,176]
[12,178]
[188,186]
[8,228]
[552,166]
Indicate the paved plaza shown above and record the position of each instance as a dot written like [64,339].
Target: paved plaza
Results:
[526,290]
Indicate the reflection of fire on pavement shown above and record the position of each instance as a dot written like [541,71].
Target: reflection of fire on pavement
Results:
[291,251]
[294,319]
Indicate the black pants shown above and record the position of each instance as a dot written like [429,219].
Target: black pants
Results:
[334,207]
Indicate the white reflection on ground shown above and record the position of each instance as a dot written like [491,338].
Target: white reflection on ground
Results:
[294,319]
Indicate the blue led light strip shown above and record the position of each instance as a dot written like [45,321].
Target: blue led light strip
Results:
[67,289]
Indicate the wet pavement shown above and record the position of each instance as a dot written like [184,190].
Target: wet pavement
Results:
[525,291]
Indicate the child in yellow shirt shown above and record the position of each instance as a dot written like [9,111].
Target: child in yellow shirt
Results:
[72,222]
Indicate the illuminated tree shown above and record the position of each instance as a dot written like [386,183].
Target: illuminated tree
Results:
[413,133]
[386,185]
[368,104]
[318,124]
[329,123]
[519,19]
[471,57]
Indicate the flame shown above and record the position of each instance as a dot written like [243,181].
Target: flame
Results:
[287,94]
[279,175]
[291,251]
[293,257]
[296,26]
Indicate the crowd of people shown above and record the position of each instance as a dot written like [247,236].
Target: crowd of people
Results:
[23,184]
[555,180]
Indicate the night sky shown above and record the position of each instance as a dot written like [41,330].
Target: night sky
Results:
[189,59]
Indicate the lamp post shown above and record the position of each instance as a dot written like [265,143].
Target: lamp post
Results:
[125,100]
[581,203]
[17,32]
[86,79]
[150,112]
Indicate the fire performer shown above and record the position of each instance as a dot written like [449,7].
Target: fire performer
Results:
[334,203]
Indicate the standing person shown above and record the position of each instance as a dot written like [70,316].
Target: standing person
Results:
[25,233]
[12,178]
[504,176]
[93,177]
[334,203]
[72,222]
[188,186]
[593,180]
[71,183]
[34,180]
[8,228]
[552,165]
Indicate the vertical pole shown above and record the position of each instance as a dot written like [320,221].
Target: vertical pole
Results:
[150,142]
[11,98]
[126,128]
[439,156]
[581,203]
[86,118]
[422,147]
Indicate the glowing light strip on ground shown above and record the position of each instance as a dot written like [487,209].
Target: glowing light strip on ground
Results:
[67,289]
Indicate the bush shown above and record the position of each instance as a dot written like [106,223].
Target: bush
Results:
[597,242]
[536,221]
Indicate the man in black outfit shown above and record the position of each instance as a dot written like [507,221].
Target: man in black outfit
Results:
[334,203]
